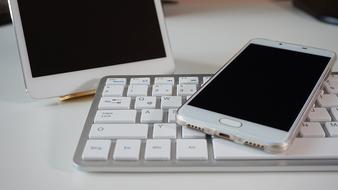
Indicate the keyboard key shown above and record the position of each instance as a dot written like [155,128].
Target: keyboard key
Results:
[188,80]
[334,112]
[225,150]
[302,148]
[319,114]
[162,90]
[311,129]
[186,89]
[328,100]
[164,131]
[172,115]
[127,149]
[116,81]
[145,102]
[205,79]
[115,116]
[333,78]
[164,80]
[157,149]
[331,87]
[332,128]
[143,80]
[96,150]
[171,102]
[113,90]
[191,133]
[116,131]
[137,90]
[114,103]
[191,149]
[151,116]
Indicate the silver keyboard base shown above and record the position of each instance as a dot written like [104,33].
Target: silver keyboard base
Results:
[210,165]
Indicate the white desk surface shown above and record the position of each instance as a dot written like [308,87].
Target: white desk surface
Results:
[38,137]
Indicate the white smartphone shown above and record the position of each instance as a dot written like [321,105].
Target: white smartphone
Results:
[261,96]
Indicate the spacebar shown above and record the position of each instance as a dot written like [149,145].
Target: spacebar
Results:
[116,131]
[302,148]
[314,148]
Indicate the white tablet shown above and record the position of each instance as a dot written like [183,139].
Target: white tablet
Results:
[66,47]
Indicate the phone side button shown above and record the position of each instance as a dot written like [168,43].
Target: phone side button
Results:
[229,122]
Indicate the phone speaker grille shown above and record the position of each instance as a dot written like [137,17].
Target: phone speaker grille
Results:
[195,127]
[254,145]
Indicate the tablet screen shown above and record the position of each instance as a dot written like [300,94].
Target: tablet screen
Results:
[66,36]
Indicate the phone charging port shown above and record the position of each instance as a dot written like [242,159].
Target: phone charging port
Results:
[224,136]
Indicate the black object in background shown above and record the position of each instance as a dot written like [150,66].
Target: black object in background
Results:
[5,17]
[264,85]
[85,34]
[324,10]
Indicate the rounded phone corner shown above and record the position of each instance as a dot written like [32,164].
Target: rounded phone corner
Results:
[180,120]
[276,148]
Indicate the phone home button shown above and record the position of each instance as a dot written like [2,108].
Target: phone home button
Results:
[229,122]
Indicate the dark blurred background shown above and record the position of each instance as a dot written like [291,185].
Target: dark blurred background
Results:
[5,17]
[324,10]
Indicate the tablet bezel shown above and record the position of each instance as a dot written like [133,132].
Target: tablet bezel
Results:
[85,80]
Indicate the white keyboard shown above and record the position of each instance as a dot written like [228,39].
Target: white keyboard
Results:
[131,128]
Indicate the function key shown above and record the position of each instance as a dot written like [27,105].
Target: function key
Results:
[157,149]
[127,150]
[96,150]
[191,149]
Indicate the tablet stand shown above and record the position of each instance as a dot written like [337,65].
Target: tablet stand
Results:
[77,95]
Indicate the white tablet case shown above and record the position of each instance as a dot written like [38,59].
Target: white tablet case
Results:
[85,80]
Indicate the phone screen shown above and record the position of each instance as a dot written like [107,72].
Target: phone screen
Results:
[264,85]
